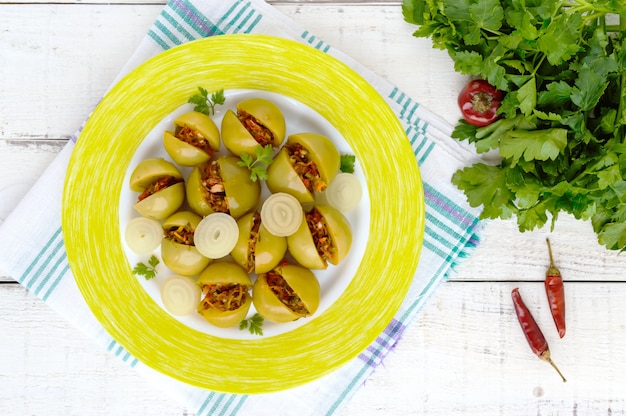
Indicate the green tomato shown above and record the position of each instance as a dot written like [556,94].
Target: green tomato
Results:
[149,171]
[282,176]
[162,204]
[182,218]
[222,273]
[303,247]
[242,194]
[184,259]
[202,127]
[268,249]
[303,283]
[195,193]
[239,139]
[322,151]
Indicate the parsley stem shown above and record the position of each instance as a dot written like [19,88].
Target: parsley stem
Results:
[621,109]
[543,58]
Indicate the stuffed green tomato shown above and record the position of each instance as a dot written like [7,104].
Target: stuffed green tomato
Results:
[177,247]
[258,122]
[194,140]
[226,296]
[222,186]
[257,250]
[286,293]
[324,236]
[306,164]
[161,188]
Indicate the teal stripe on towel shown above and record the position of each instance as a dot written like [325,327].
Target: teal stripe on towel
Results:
[207,401]
[60,277]
[61,260]
[47,254]
[155,37]
[176,24]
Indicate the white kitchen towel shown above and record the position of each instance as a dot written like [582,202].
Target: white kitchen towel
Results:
[452,227]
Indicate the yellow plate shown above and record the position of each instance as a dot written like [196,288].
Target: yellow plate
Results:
[95,179]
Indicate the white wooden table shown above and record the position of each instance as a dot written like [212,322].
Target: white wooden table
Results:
[464,355]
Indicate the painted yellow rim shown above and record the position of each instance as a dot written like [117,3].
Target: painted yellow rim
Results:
[95,179]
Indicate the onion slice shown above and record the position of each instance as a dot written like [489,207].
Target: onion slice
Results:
[344,192]
[216,235]
[281,214]
[180,295]
[143,235]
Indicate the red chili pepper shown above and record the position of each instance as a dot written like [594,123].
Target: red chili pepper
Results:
[556,294]
[479,102]
[531,330]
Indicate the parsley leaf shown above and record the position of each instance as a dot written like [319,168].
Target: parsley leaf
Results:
[259,163]
[347,163]
[147,270]
[486,185]
[533,144]
[205,104]
[254,324]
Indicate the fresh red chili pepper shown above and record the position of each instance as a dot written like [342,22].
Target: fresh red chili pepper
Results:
[479,102]
[556,294]
[531,330]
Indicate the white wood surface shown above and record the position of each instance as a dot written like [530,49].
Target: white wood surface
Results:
[464,355]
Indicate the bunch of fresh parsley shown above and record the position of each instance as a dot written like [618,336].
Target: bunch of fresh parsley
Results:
[561,133]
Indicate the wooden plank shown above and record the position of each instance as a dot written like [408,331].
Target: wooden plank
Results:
[70,69]
[162,2]
[21,163]
[49,367]
[69,73]
[467,333]
[576,251]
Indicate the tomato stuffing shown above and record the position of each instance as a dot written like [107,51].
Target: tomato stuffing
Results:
[213,187]
[224,296]
[319,232]
[254,237]
[158,185]
[261,134]
[285,293]
[479,102]
[181,234]
[194,138]
[305,167]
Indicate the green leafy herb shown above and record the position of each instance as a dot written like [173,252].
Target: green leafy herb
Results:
[253,324]
[259,163]
[561,136]
[205,104]
[147,270]
[347,163]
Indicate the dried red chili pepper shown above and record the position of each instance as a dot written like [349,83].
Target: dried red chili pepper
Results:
[556,294]
[531,330]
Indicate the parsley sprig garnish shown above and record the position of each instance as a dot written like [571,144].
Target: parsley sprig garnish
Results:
[347,163]
[259,163]
[205,104]
[147,270]
[253,324]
